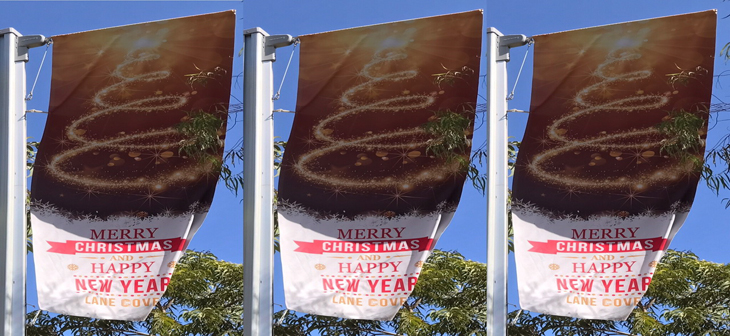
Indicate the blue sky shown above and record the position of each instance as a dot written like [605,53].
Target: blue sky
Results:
[705,232]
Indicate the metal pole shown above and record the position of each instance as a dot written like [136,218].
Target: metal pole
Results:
[258,212]
[13,55]
[497,57]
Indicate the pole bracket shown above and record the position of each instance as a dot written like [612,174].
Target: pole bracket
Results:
[26,42]
[271,42]
[507,42]
[275,41]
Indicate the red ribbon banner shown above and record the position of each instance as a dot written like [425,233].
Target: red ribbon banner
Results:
[141,246]
[605,246]
[373,246]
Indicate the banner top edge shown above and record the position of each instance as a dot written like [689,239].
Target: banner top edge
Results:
[376,24]
[618,23]
[233,11]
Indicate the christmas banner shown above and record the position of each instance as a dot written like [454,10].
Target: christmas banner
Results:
[610,160]
[367,186]
[117,193]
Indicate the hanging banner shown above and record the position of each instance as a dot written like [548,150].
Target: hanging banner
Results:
[362,196]
[602,184]
[116,197]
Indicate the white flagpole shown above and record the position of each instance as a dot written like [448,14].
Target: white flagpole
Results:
[498,47]
[13,55]
[258,212]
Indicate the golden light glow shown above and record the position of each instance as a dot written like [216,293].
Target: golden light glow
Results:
[106,102]
[398,144]
[617,145]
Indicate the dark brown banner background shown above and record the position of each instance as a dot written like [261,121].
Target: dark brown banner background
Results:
[357,146]
[357,161]
[591,145]
[116,96]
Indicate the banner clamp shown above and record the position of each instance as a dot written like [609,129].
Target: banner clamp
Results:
[26,42]
[506,42]
[275,41]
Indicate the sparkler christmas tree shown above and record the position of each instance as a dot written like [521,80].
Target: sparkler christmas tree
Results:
[390,162]
[107,152]
[403,146]
[627,148]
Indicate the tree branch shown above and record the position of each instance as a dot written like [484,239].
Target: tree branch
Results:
[413,307]
[383,332]
[616,332]
[648,305]
[168,305]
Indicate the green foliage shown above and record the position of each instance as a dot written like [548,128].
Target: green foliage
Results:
[203,142]
[684,141]
[689,296]
[202,77]
[450,298]
[235,156]
[719,158]
[43,324]
[451,140]
[31,148]
[233,181]
[451,134]
[450,131]
[725,51]
[202,132]
[450,76]
[28,227]
[279,147]
[478,180]
[512,148]
[684,76]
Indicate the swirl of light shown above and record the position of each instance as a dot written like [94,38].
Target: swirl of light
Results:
[627,140]
[105,104]
[352,104]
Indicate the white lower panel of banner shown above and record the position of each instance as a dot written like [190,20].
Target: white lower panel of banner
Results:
[596,268]
[362,269]
[116,268]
